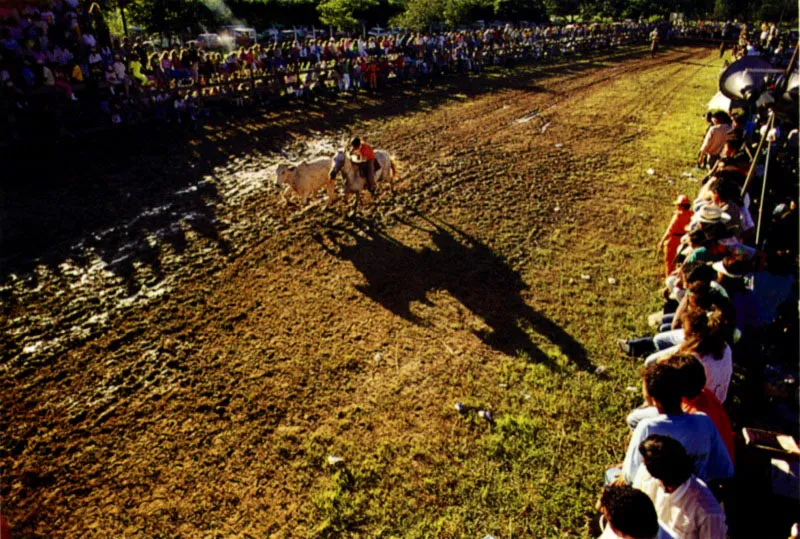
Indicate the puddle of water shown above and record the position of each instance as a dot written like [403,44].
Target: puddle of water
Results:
[86,272]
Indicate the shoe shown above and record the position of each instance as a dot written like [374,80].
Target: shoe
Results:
[624,346]
[654,320]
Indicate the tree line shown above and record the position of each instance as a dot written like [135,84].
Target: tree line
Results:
[188,16]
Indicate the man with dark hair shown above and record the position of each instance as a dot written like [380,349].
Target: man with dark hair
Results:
[664,388]
[368,162]
[629,514]
[697,398]
[685,506]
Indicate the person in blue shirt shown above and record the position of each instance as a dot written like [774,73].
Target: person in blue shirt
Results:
[663,388]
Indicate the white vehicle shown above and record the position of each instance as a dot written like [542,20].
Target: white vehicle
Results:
[240,35]
[208,40]
[270,34]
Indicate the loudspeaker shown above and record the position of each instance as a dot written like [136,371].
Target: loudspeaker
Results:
[746,78]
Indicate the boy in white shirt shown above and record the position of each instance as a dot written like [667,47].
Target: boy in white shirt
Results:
[629,514]
[684,504]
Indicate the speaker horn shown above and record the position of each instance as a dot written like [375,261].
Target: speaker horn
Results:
[746,78]
[792,86]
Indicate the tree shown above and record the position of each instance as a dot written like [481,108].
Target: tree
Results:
[419,14]
[343,13]
[563,8]
[170,16]
[520,10]
[777,10]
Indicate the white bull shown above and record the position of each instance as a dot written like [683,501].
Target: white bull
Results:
[307,178]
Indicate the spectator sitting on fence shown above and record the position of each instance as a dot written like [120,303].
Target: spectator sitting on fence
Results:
[703,335]
[731,273]
[697,397]
[664,388]
[628,514]
[715,139]
[676,309]
[685,505]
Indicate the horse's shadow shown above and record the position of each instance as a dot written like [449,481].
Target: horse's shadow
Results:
[398,275]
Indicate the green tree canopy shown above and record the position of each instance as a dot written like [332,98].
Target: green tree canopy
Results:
[177,16]
[343,13]
[520,10]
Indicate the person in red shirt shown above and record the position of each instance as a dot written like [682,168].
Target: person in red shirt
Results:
[672,236]
[367,161]
[372,74]
[698,398]
[5,529]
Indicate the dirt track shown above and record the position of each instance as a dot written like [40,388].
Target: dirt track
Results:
[186,364]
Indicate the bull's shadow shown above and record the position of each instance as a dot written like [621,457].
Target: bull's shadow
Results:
[398,275]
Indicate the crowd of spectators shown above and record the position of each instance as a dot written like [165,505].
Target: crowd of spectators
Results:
[62,70]
[729,314]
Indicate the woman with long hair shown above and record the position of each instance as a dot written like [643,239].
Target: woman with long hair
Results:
[705,337]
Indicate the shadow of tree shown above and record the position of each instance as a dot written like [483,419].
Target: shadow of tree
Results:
[480,279]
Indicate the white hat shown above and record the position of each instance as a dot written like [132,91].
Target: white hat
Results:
[709,214]
[720,268]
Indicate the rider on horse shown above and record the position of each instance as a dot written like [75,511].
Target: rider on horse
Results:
[367,161]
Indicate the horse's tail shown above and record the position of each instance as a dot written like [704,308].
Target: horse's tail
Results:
[394,169]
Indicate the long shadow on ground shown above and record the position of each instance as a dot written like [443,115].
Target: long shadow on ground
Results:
[481,280]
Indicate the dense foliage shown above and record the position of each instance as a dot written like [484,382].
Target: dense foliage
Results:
[191,15]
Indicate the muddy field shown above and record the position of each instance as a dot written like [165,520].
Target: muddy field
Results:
[182,353]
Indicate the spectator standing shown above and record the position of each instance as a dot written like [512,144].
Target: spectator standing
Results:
[715,139]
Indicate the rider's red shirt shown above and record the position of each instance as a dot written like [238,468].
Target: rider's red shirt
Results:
[365,151]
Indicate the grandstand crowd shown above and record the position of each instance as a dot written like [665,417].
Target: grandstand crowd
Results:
[62,70]
[724,347]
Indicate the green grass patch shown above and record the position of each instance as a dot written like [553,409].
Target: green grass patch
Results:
[537,472]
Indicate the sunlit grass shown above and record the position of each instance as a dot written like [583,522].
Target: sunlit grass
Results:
[538,470]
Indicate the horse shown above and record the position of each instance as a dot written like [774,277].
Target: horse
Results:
[354,181]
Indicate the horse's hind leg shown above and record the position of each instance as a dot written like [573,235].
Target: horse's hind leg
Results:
[389,181]
[354,211]
[331,193]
